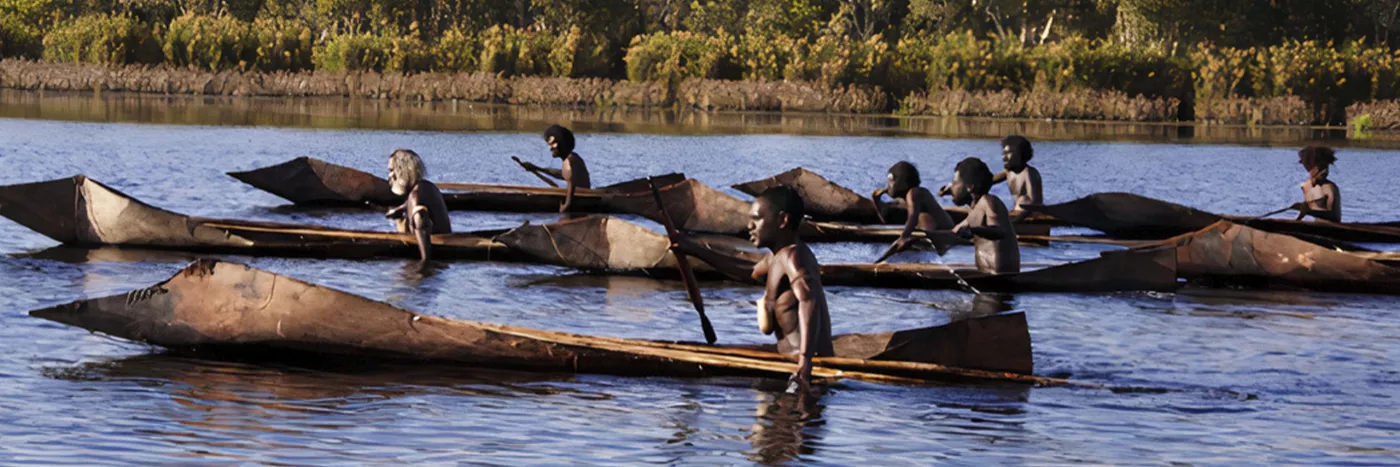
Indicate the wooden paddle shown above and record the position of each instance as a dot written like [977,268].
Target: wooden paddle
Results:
[1271,213]
[687,275]
[887,254]
[532,170]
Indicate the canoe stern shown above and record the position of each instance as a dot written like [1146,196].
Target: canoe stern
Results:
[310,181]
[50,207]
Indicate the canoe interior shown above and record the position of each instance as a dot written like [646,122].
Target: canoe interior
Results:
[226,307]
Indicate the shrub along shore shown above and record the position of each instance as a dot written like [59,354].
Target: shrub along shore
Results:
[824,69]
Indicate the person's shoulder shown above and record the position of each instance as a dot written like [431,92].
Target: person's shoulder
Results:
[993,201]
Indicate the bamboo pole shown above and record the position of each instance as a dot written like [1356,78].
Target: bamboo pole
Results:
[750,359]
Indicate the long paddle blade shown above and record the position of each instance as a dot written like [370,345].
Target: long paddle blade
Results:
[533,172]
[692,287]
[887,254]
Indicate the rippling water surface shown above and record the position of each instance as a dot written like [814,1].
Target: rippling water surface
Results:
[1252,377]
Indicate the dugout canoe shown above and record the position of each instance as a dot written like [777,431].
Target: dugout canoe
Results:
[79,211]
[1114,271]
[307,181]
[827,201]
[1231,254]
[648,252]
[222,308]
[1127,215]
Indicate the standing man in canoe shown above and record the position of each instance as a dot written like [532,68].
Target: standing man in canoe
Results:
[988,223]
[574,173]
[1022,180]
[423,212]
[924,213]
[793,307]
[1321,198]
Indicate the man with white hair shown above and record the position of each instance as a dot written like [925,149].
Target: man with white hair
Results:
[423,212]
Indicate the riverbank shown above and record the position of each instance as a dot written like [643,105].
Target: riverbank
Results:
[328,112]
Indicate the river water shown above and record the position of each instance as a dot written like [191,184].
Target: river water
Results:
[1250,377]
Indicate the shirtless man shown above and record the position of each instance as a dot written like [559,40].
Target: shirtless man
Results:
[574,173]
[988,223]
[924,212]
[1021,179]
[424,212]
[1321,198]
[793,307]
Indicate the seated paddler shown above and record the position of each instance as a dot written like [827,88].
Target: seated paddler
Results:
[1321,198]
[1022,180]
[988,222]
[924,214]
[423,212]
[574,173]
[793,307]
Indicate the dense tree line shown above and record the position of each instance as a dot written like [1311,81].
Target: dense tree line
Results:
[1328,52]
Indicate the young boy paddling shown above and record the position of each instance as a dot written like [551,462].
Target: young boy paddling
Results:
[793,307]
[1321,198]
[924,213]
[424,212]
[988,223]
[1021,179]
[574,172]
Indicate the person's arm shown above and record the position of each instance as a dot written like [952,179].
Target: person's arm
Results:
[423,230]
[556,173]
[396,212]
[999,177]
[991,230]
[879,206]
[568,196]
[571,185]
[767,324]
[912,223]
[806,312]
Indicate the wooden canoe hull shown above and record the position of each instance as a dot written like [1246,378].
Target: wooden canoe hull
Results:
[313,182]
[1127,215]
[79,211]
[1227,253]
[823,199]
[1128,270]
[307,181]
[226,307]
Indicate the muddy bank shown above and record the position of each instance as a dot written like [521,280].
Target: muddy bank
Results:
[471,87]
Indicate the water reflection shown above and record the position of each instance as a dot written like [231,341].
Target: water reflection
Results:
[341,113]
[786,426]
